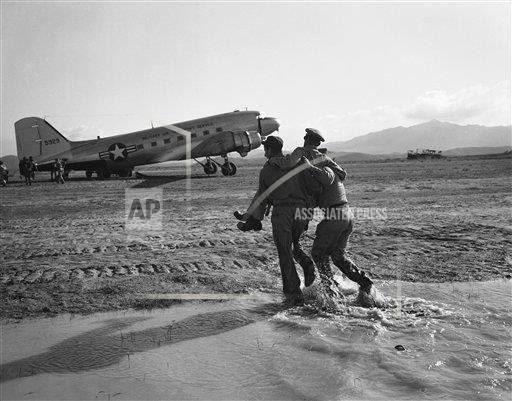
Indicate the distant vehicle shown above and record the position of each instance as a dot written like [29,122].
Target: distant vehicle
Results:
[238,131]
[424,154]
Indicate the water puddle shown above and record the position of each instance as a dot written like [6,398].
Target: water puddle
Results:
[454,343]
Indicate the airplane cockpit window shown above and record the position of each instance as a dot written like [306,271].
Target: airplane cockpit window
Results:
[153,143]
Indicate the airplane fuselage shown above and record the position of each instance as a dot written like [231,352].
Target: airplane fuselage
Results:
[216,135]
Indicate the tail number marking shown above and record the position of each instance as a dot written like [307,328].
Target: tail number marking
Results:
[53,141]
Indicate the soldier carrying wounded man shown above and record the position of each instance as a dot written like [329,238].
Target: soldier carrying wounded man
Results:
[294,185]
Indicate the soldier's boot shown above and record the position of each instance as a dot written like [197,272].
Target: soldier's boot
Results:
[349,269]
[305,262]
[327,278]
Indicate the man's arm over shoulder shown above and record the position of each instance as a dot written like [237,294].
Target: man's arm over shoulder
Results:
[335,167]
[324,175]
[288,161]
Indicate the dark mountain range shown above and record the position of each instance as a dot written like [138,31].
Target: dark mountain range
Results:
[432,135]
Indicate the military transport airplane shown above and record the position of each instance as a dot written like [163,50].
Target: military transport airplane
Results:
[238,131]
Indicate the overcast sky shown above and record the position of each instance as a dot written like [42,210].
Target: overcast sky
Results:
[344,68]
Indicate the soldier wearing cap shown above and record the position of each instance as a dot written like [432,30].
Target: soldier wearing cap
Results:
[310,151]
[286,195]
[315,135]
[312,140]
[333,232]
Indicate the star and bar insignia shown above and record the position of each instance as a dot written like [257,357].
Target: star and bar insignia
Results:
[117,152]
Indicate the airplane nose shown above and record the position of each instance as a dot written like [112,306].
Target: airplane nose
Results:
[269,125]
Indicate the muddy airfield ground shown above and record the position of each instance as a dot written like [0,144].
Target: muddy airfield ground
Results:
[65,248]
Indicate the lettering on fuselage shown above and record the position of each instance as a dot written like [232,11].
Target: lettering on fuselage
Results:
[199,126]
[154,135]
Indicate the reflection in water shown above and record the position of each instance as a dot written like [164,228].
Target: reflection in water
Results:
[107,345]
[456,338]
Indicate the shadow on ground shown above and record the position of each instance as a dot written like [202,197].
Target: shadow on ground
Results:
[151,181]
[109,344]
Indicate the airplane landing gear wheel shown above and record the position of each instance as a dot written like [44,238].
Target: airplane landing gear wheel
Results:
[210,168]
[233,169]
[228,168]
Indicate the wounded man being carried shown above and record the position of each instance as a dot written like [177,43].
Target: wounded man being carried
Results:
[327,192]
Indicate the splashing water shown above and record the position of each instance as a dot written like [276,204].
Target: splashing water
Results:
[419,341]
[317,296]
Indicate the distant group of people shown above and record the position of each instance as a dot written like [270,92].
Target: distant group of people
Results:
[28,167]
[294,185]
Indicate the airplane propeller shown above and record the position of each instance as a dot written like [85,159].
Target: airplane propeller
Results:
[267,125]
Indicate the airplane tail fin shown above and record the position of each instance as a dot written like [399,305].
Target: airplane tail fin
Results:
[37,138]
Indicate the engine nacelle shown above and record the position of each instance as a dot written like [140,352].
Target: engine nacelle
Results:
[246,141]
[228,141]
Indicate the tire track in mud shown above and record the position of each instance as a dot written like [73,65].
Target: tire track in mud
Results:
[14,275]
[23,254]
[388,245]
[140,269]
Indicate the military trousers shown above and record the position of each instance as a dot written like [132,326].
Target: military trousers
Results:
[286,228]
[301,257]
[331,240]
